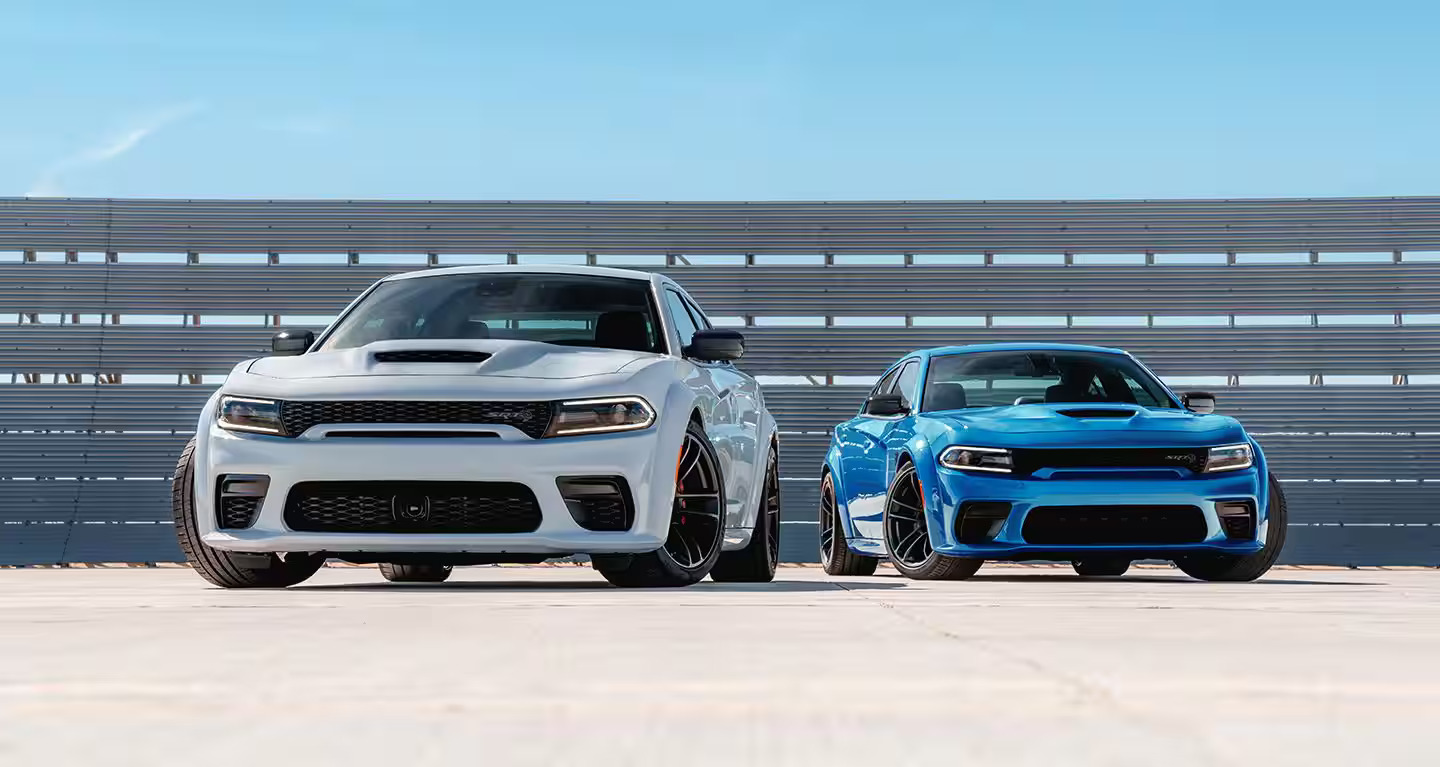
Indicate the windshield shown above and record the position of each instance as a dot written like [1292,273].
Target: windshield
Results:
[991,379]
[567,309]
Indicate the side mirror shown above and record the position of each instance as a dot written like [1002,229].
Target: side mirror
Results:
[716,345]
[1198,401]
[886,405]
[288,343]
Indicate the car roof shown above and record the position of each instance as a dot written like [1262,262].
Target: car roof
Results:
[941,351]
[591,271]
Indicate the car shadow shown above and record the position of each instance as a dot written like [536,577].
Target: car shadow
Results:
[1178,578]
[582,586]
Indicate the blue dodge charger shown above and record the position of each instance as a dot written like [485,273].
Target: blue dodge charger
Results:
[1043,452]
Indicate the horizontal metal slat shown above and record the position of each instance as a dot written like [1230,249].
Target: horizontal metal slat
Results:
[641,227]
[1167,350]
[66,500]
[1259,408]
[128,407]
[89,455]
[737,290]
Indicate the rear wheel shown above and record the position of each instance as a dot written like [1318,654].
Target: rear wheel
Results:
[1100,568]
[756,562]
[1228,567]
[228,569]
[835,553]
[697,525]
[396,573]
[907,534]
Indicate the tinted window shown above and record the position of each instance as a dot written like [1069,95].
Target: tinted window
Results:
[684,324]
[572,310]
[991,379]
[905,382]
[884,384]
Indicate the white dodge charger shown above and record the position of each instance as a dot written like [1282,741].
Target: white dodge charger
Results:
[481,415]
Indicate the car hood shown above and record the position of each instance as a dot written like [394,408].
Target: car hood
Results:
[508,359]
[1095,424]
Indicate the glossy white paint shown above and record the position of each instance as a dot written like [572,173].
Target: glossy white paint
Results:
[727,401]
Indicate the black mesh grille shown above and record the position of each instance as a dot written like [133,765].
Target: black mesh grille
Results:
[412,507]
[1099,525]
[532,418]
[431,355]
[598,503]
[237,512]
[1029,460]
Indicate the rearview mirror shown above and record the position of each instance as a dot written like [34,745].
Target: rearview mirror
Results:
[886,405]
[288,343]
[716,345]
[1198,401]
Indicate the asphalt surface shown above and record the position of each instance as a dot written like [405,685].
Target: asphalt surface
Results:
[549,665]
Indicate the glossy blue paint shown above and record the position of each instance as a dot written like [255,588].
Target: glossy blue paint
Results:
[866,451]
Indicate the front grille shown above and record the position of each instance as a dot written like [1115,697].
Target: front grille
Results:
[1029,460]
[237,512]
[1101,525]
[431,355]
[412,507]
[532,418]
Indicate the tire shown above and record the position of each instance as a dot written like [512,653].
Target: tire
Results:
[907,534]
[697,525]
[1100,568]
[226,569]
[836,556]
[396,573]
[1231,568]
[756,562]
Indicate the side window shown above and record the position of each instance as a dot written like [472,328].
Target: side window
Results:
[885,383]
[699,316]
[684,325]
[905,382]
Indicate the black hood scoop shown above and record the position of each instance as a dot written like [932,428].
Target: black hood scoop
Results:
[1096,412]
[432,355]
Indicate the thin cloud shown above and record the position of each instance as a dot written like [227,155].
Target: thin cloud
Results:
[49,182]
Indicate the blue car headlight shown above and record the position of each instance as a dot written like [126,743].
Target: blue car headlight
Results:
[1230,458]
[967,458]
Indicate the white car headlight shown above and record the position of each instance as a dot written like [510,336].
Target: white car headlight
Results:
[252,414]
[600,416]
[977,459]
[1230,458]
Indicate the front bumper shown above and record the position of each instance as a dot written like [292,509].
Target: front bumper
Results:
[511,458]
[951,488]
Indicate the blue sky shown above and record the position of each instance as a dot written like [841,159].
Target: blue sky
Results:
[736,100]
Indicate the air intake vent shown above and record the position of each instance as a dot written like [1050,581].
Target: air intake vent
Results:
[431,355]
[1098,413]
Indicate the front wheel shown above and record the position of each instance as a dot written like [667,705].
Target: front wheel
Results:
[907,534]
[697,525]
[1228,567]
[756,562]
[228,569]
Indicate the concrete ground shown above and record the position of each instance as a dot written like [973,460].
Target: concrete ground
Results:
[549,665]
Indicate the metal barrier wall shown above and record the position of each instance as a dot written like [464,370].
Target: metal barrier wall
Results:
[118,318]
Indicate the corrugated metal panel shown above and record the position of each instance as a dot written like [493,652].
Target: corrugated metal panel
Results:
[736,290]
[1167,350]
[1384,349]
[69,407]
[46,508]
[1260,408]
[721,227]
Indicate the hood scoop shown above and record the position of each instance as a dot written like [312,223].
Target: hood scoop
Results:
[1095,412]
[431,355]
